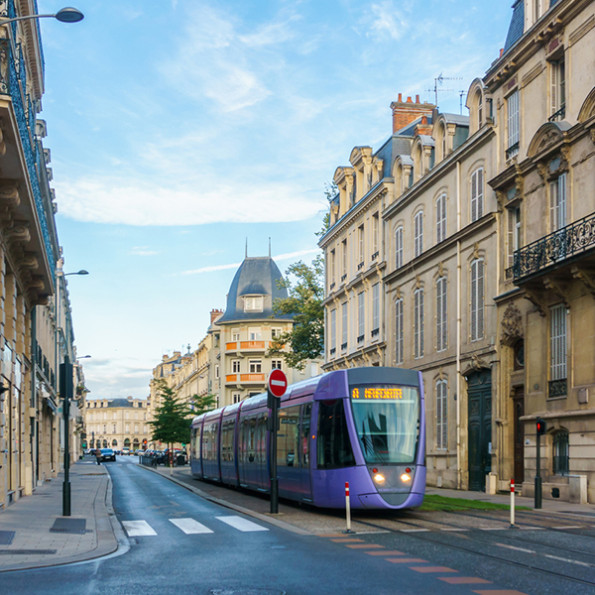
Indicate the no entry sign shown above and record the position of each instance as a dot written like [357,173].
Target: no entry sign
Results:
[277,384]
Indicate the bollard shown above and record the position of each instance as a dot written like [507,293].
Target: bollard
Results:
[347,508]
[512,503]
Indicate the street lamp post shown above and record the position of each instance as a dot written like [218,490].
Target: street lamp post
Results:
[65,373]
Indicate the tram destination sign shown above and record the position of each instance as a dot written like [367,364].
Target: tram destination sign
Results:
[377,393]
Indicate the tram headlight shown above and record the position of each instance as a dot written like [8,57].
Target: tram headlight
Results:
[406,475]
[379,478]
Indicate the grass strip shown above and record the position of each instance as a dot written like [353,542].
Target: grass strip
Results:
[444,503]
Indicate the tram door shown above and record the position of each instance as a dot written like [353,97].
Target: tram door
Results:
[479,395]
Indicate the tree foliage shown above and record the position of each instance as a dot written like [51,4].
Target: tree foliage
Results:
[173,417]
[304,304]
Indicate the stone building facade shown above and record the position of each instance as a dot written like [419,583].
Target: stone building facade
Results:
[464,247]
[35,322]
[117,423]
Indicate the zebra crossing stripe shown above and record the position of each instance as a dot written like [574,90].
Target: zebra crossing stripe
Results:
[190,526]
[241,524]
[138,528]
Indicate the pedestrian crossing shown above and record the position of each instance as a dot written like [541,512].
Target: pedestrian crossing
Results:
[189,526]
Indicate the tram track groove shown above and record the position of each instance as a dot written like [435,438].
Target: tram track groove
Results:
[427,537]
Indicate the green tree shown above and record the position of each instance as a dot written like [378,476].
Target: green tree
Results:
[173,417]
[304,304]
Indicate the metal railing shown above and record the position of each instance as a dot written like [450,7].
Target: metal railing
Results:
[559,115]
[555,248]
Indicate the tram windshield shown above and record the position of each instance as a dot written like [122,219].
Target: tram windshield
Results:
[387,422]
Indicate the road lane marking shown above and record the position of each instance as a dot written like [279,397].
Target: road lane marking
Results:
[190,526]
[415,530]
[516,549]
[552,557]
[138,528]
[241,524]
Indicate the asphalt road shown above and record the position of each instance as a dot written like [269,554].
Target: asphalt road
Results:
[178,542]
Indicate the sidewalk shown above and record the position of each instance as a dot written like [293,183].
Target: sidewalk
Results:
[33,532]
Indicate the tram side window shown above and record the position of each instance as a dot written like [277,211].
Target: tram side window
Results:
[334,446]
[305,435]
[261,439]
[227,441]
[288,437]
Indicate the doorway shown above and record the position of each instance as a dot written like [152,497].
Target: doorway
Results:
[479,394]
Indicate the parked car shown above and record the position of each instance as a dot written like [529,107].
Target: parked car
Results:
[139,452]
[107,454]
[125,451]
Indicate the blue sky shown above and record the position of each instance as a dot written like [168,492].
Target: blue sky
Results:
[181,129]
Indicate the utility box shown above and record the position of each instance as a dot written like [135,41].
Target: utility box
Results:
[577,489]
[491,483]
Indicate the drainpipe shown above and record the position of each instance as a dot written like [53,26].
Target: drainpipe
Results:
[458,331]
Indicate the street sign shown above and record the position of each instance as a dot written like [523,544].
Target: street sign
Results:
[277,384]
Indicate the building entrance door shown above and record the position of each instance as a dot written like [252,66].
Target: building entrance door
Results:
[479,394]
[519,435]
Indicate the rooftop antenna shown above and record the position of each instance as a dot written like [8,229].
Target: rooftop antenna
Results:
[246,247]
[438,83]
[461,93]
[269,247]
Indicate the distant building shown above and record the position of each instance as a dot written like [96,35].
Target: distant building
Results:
[117,423]
[232,361]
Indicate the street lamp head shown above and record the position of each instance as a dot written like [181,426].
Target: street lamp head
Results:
[81,272]
[69,15]
[83,356]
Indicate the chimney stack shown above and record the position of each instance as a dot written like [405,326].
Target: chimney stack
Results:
[405,112]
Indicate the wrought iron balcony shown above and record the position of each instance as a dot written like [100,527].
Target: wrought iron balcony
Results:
[559,115]
[561,245]
[13,83]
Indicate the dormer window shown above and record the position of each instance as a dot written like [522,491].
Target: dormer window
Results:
[253,303]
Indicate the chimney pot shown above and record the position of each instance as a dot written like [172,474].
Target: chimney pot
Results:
[409,100]
[417,99]
[401,94]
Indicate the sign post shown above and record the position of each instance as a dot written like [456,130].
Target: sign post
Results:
[276,387]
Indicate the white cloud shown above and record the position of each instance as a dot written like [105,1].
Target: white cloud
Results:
[132,203]
[387,21]
[235,265]
[143,251]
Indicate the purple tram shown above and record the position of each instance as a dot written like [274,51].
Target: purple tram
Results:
[364,426]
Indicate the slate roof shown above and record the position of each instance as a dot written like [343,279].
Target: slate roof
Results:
[256,276]
[119,403]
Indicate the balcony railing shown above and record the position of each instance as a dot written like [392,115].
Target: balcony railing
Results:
[13,82]
[554,248]
[246,346]
[557,388]
[559,115]
[512,150]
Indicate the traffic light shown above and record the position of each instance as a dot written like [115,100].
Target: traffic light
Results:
[540,426]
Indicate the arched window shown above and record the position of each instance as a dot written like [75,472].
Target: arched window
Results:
[418,323]
[418,237]
[479,103]
[561,462]
[441,314]
[399,331]
[477,299]
[441,218]
[441,414]
[477,194]
[399,247]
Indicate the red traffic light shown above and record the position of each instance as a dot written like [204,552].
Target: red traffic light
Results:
[540,426]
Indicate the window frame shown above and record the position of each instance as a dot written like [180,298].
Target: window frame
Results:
[418,236]
[418,323]
[441,314]
[441,388]
[477,301]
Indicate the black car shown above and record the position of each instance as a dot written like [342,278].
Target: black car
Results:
[107,454]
